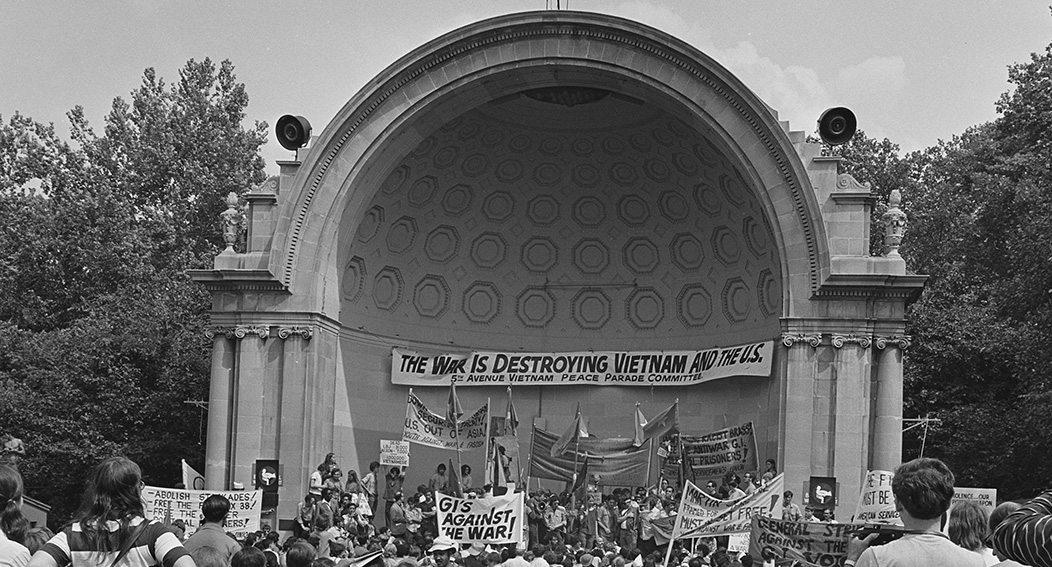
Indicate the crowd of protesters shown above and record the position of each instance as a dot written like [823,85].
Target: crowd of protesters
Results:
[337,526]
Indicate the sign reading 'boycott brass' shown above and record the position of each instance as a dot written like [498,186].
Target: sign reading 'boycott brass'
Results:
[610,368]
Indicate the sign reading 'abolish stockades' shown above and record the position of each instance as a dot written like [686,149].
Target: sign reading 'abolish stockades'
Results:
[495,519]
[720,452]
[612,368]
[170,504]
[425,427]
[814,544]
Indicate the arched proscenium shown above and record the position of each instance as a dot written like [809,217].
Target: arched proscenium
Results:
[383,121]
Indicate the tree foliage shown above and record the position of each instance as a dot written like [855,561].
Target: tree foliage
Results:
[101,331]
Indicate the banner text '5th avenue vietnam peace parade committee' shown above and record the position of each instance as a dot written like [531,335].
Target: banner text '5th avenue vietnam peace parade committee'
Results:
[602,368]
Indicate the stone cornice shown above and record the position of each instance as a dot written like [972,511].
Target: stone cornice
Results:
[871,286]
[790,339]
[839,341]
[238,280]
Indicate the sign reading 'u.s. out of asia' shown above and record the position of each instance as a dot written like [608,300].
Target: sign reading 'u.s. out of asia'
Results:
[604,368]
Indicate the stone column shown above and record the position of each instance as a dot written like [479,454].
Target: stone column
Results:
[851,434]
[887,422]
[217,446]
[799,410]
[247,432]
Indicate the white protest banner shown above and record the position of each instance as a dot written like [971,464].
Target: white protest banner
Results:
[170,504]
[602,368]
[494,519]
[810,544]
[876,503]
[720,452]
[702,515]
[425,427]
[985,497]
[394,453]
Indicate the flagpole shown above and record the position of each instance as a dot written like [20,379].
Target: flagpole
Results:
[489,424]
[675,525]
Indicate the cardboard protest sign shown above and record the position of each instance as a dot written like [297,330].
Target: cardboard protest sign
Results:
[814,544]
[701,515]
[425,427]
[495,519]
[985,497]
[591,368]
[876,503]
[394,453]
[717,453]
[169,504]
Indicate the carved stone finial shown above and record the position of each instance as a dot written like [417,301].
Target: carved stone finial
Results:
[894,224]
[231,221]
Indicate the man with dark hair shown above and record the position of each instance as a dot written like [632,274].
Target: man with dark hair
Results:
[923,489]
[211,533]
[301,554]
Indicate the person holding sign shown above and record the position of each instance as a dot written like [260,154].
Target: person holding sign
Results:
[110,526]
[923,489]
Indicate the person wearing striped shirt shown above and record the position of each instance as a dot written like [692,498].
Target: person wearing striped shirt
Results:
[110,529]
[1026,534]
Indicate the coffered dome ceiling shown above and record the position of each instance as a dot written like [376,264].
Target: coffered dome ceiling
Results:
[564,219]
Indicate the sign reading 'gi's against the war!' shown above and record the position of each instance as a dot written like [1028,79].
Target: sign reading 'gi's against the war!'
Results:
[602,368]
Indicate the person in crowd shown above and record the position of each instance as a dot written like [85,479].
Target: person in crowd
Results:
[999,514]
[556,518]
[13,524]
[923,489]
[442,550]
[317,479]
[326,533]
[828,516]
[604,521]
[711,489]
[968,526]
[214,510]
[353,485]
[209,557]
[110,526]
[397,518]
[37,537]
[514,559]
[438,480]
[301,554]
[248,557]
[809,515]
[733,491]
[465,478]
[790,511]
[324,508]
[392,485]
[305,519]
[370,482]
[628,519]
[334,482]
[749,484]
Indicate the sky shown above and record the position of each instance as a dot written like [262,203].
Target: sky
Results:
[912,71]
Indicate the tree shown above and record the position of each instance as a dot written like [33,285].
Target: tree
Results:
[101,331]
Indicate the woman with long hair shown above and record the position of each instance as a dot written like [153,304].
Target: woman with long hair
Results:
[110,529]
[13,524]
[968,526]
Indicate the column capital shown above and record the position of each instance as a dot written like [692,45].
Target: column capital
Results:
[304,332]
[839,341]
[790,339]
[901,341]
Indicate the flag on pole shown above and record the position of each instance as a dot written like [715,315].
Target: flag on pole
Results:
[192,480]
[454,411]
[511,421]
[580,486]
[577,430]
[663,423]
[641,422]
[453,481]
[500,472]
